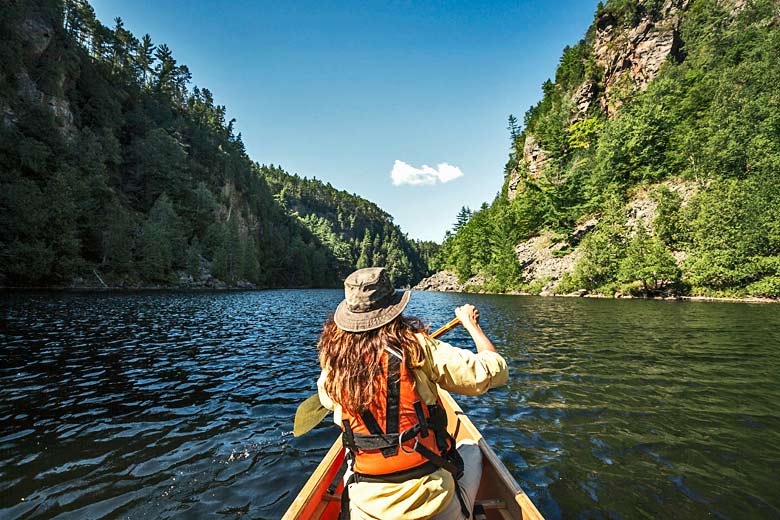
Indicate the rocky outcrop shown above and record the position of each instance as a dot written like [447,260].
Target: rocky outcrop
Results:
[735,6]
[443,281]
[545,258]
[631,57]
[643,208]
[534,158]
[36,37]
[447,281]
[582,100]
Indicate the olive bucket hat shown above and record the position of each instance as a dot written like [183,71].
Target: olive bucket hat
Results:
[370,301]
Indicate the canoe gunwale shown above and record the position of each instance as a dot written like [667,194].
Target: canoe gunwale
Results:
[497,484]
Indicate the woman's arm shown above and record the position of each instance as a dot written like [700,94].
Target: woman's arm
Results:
[461,370]
[469,317]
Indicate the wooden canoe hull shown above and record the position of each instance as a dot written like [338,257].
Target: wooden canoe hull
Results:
[499,492]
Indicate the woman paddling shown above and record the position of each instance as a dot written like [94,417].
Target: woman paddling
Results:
[380,375]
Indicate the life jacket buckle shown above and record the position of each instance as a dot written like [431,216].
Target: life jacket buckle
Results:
[414,448]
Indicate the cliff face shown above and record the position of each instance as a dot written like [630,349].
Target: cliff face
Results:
[628,57]
[36,36]
[632,56]
[646,167]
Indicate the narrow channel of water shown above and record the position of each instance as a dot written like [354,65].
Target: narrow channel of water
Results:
[180,405]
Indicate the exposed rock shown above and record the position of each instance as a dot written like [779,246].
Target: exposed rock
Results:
[475,281]
[9,117]
[583,97]
[27,89]
[737,6]
[640,211]
[447,281]
[534,159]
[545,258]
[514,182]
[534,156]
[583,229]
[61,109]
[443,281]
[542,258]
[679,257]
[36,35]
[631,57]
[643,209]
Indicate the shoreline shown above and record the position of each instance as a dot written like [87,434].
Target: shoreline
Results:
[60,288]
[187,288]
[707,299]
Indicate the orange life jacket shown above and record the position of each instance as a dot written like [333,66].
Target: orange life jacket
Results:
[396,433]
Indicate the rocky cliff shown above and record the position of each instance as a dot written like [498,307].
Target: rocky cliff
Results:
[628,58]
[646,167]
[36,36]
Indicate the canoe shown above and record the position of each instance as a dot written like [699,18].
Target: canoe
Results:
[499,493]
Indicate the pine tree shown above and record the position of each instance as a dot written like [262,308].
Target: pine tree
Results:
[464,215]
[165,70]
[365,257]
[145,58]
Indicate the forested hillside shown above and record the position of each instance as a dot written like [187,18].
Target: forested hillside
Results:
[357,231]
[650,166]
[114,169]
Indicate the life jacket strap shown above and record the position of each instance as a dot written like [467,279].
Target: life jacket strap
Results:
[348,437]
[421,419]
[380,442]
[424,469]
[392,411]
[452,464]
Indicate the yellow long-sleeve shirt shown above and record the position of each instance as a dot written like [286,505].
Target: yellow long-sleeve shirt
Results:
[455,370]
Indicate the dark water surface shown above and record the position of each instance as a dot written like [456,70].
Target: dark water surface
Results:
[180,405]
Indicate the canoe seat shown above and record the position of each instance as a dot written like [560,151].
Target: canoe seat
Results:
[491,508]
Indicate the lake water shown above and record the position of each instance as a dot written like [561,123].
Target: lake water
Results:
[180,405]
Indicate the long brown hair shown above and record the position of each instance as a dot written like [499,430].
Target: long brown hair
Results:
[354,359]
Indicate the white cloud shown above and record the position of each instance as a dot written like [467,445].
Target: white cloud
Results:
[404,173]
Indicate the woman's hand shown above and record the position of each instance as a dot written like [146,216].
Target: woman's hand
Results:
[468,314]
[469,317]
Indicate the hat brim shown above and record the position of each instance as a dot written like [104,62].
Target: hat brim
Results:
[365,321]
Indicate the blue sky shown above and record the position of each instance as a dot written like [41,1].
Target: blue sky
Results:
[340,91]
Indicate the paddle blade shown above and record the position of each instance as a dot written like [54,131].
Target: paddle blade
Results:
[308,415]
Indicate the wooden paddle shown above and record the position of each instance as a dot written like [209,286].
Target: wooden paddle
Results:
[311,412]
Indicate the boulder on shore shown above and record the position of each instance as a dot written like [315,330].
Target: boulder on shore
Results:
[443,281]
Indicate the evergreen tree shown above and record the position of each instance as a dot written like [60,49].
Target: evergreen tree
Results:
[145,58]
[366,251]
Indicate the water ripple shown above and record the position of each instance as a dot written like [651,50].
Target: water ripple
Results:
[180,405]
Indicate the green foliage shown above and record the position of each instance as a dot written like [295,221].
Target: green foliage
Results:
[668,221]
[648,261]
[582,134]
[734,235]
[602,252]
[357,232]
[150,179]
[709,118]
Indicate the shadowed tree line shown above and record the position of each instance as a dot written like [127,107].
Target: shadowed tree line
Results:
[111,161]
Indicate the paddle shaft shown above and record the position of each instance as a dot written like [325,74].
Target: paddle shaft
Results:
[454,322]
